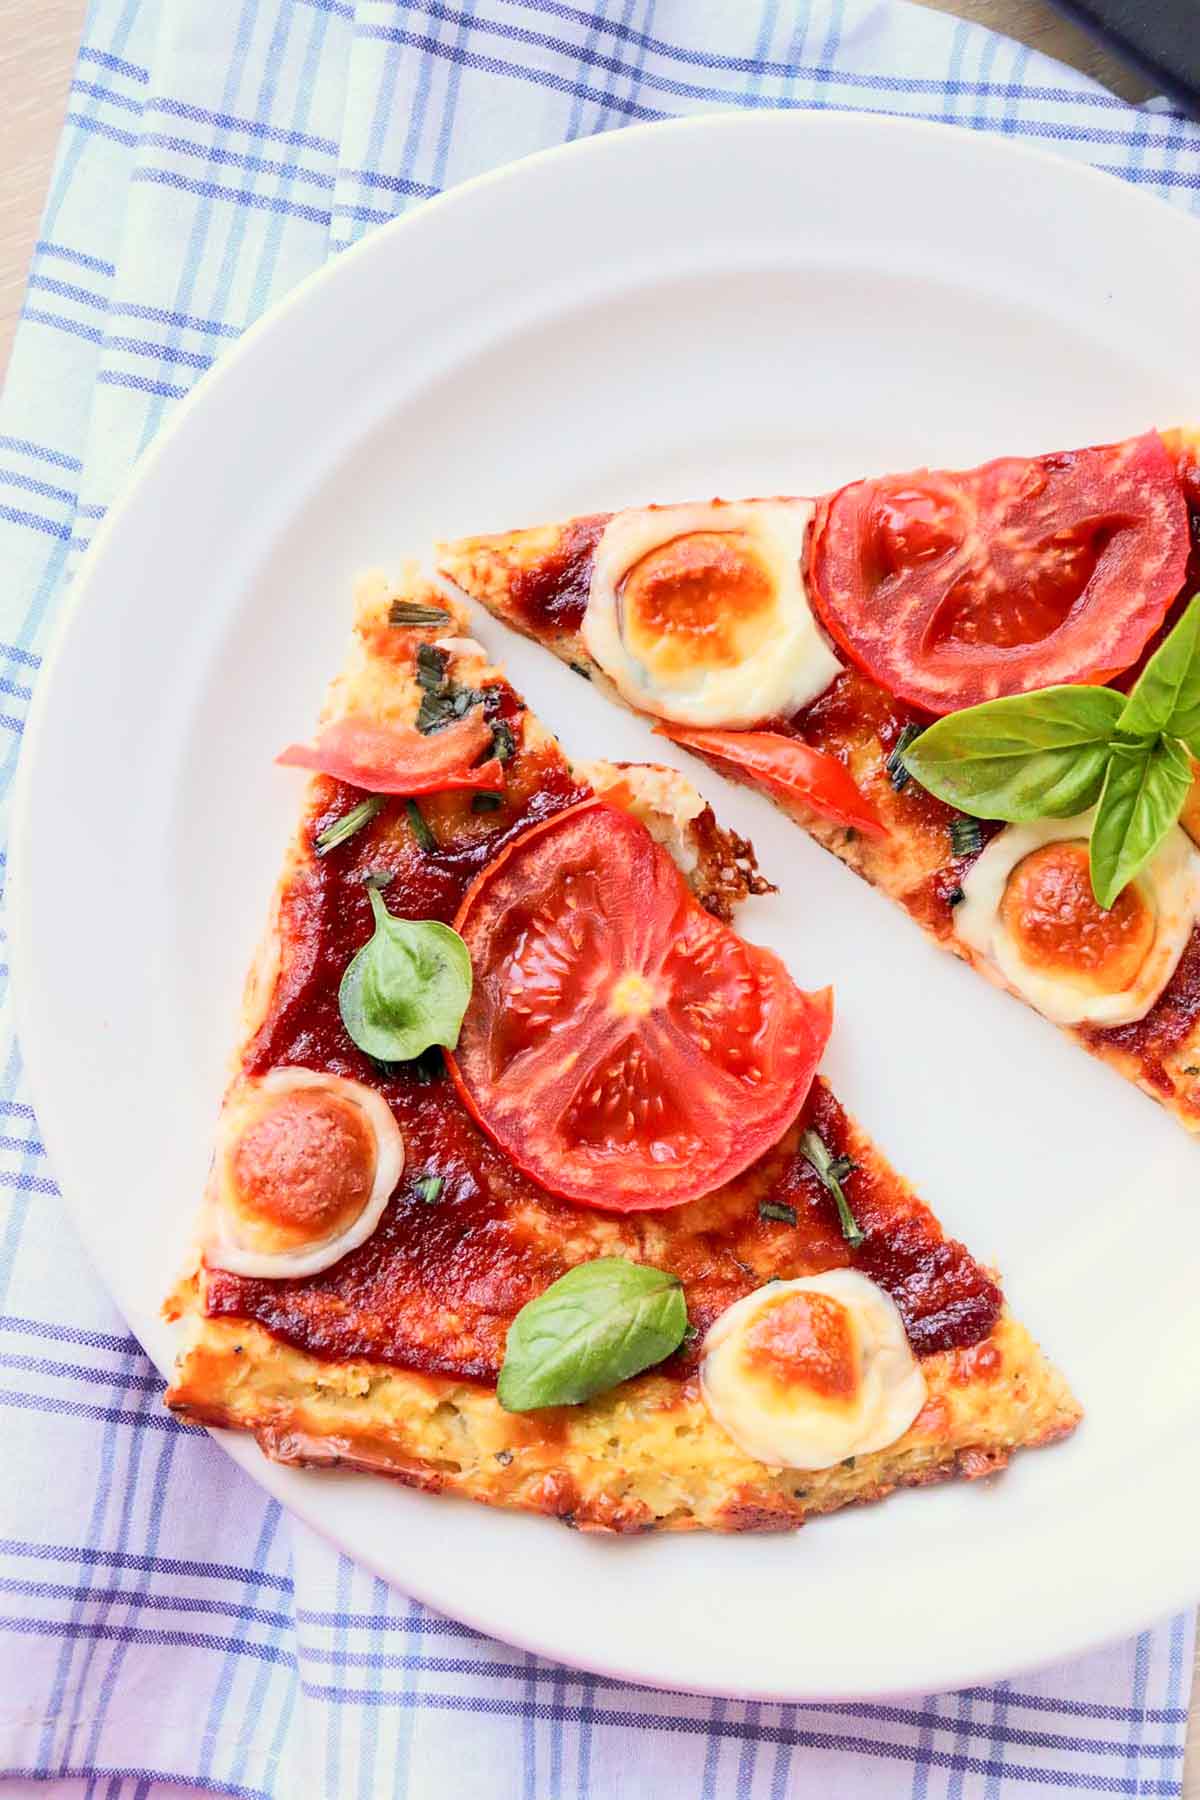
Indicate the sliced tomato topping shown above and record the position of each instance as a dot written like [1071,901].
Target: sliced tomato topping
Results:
[950,589]
[623,1048]
[789,768]
[398,759]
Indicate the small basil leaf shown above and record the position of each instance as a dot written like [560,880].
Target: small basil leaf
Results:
[1166,695]
[1028,756]
[596,1326]
[407,988]
[1144,791]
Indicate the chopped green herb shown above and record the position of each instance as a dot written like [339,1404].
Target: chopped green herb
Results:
[581,669]
[442,706]
[771,1209]
[504,744]
[504,1457]
[690,1336]
[348,824]
[486,803]
[420,829]
[378,878]
[826,1169]
[842,1167]
[898,772]
[411,612]
[431,666]
[430,1188]
[434,711]
[955,897]
[443,700]
[966,837]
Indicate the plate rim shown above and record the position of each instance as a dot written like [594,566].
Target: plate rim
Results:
[283,1483]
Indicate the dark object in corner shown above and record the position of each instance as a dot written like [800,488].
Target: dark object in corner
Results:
[1158,37]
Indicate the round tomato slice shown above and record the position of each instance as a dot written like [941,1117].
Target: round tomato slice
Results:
[949,589]
[789,768]
[622,1047]
[398,759]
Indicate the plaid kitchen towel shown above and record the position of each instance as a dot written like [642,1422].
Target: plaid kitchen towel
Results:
[161,1622]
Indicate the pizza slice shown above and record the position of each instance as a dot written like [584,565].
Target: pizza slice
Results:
[525,1187]
[980,690]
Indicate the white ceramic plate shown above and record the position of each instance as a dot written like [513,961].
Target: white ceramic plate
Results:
[737,304]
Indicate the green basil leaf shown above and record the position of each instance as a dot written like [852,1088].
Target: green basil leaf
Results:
[599,1324]
[1028,756]
[1144,791]
[1166,695]
[407,988]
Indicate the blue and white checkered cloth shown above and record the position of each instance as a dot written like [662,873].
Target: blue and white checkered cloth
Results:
[161,1621]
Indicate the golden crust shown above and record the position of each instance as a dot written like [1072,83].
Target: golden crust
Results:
[903,863]
[646,1456]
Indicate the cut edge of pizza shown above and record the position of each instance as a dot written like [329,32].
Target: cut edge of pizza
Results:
[366,1243]
[762,636]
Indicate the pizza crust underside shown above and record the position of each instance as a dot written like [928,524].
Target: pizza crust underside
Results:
[648,1455]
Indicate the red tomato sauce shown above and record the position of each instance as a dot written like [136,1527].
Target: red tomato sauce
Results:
[554,594]
[438,1283]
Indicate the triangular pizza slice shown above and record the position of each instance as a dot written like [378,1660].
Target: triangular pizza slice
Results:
[525,1187]
[979,689]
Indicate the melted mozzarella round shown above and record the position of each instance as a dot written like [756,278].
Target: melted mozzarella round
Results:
[803,1374]
[700,614]
[1029,913]
[305,1165]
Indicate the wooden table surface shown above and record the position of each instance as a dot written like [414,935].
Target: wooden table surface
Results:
[37,48]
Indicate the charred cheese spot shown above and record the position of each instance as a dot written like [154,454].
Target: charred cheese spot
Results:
[802,1374]
[1029,916]
[1052,916]
[705,600]
[803,1340]
[301,1170]
[305,1165]
[700,613]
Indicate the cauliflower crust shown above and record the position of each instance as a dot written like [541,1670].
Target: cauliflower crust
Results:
[646,1457]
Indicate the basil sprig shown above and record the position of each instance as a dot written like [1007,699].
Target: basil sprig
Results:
[407,988]
[1057,751]
[596,1326]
